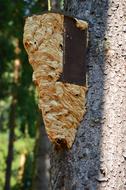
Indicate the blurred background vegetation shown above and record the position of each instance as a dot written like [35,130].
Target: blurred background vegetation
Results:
[23,143]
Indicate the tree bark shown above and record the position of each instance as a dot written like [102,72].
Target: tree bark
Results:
[41,160]
[55,4]
[12,124]
[10,144]
[97,160]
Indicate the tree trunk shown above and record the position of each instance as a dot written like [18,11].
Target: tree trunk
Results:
[97,159]
[55,4]
[41,162]
[12,125]
[10,145]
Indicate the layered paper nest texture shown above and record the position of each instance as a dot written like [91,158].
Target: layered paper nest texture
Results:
[62,104]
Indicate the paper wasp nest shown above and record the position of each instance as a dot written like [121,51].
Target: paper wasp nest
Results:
[62,103]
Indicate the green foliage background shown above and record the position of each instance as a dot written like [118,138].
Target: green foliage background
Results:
[12,17]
